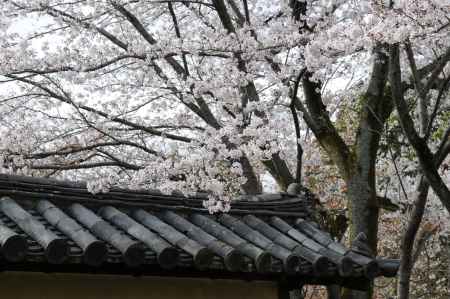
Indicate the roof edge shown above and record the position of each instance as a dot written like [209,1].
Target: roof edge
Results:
[278,204]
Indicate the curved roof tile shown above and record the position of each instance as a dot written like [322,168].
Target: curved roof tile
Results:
[64,224]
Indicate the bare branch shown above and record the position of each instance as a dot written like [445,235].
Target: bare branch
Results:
[103,114]
[423,98]
[83,166]
[322,126]
[177,32]
[237,12]
[147,36]
[422,150]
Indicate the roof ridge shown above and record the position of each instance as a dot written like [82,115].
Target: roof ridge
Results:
[281,204]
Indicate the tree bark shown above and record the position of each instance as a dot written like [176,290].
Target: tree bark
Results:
[356,164]
[448,264]
[363,216]
[377,105]
[423,152]
[406,259]
[253,184]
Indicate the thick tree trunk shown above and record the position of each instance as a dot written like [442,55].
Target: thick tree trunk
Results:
[363,209]
[363,217]
[361,181]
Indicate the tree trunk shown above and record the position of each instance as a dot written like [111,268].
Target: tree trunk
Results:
[361,182]
[253,184]
[363,209]
[363,217]
[406,259]
[448,264]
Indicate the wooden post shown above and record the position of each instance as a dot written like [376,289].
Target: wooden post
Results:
[285,291]
[333,291]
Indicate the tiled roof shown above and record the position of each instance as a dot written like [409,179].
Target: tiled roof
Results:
[48,222]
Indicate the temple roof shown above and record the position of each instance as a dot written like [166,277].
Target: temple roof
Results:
[49,225]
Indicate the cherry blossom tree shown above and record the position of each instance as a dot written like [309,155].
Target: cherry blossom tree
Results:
[227,95]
